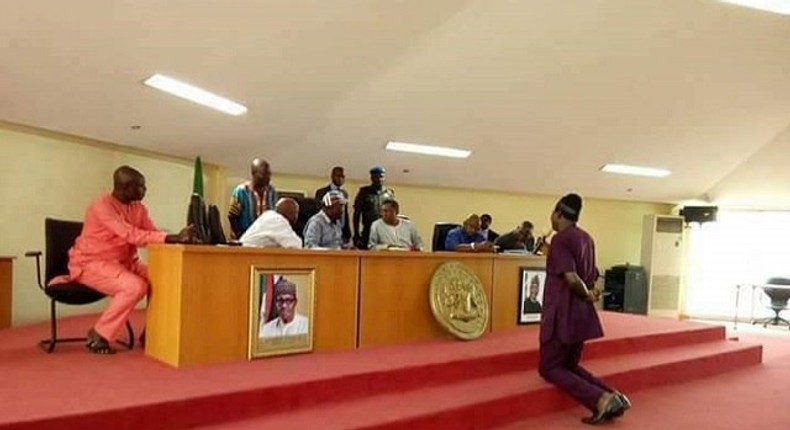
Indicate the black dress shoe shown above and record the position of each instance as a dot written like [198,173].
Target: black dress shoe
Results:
[626,405]
[613,407]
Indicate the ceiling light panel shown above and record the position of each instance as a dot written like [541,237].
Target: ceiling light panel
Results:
[781,7]
[439,151]
[195,94]
[625,169]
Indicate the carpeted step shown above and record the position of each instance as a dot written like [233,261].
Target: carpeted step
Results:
[498,400]
[75,390]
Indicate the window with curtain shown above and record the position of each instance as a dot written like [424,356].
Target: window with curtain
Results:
[740,248]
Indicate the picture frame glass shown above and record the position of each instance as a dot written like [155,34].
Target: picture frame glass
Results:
[281,311]
[530,303]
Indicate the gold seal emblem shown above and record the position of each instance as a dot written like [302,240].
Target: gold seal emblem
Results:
[458,301]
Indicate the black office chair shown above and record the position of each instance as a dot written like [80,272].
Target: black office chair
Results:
[440,230]
[779,298]
[60,236]
[307,208]
[206,221]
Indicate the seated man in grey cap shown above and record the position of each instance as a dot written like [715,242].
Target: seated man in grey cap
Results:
[287,322]
[324,230]
[367,205]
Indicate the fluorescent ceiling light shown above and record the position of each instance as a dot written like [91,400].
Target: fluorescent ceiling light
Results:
[195,94]
[625,169]
[441,151]
[776,6]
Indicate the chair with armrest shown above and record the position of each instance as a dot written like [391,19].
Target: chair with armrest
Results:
[440,230]
[779,297]
[60,236]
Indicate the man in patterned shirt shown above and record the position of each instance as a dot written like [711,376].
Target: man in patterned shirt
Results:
[251,198]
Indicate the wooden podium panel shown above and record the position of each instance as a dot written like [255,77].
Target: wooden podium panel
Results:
[394,301]
[6,290]
[506,286]
[198,312]
[199,309]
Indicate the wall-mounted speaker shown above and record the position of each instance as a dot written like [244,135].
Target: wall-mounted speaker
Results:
[699,214]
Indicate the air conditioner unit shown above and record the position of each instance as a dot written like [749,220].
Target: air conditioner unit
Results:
[662,258]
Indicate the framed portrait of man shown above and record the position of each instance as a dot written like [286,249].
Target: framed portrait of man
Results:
[530,297]
[281,311]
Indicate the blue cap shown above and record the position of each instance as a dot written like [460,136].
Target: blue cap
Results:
[377,170]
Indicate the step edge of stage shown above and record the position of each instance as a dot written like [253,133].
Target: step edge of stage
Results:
[746,353]
[733,349]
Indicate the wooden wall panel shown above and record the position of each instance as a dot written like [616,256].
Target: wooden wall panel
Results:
[208,288]
[394,300]
[199,310]
[6,290]
[163,318]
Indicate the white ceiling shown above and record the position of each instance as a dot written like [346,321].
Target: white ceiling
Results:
[543,91]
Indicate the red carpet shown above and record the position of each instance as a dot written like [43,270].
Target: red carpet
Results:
[444,384]
[752,398]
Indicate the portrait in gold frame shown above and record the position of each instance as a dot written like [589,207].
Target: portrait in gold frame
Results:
[530,296]
[281,311]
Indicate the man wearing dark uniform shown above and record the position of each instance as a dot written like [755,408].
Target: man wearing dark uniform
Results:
[367,205]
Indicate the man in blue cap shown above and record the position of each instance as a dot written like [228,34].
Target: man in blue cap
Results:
[367,205]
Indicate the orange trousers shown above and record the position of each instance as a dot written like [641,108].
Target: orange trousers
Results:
[125,286]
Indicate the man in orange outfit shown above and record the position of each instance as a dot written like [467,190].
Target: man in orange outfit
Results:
[104,256]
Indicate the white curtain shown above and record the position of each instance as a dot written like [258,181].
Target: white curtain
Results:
[740,248]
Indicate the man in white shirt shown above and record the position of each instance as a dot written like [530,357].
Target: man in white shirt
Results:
[390,231]
[274,228]
[288,322]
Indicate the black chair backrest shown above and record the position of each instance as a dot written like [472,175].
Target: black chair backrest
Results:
[440,231]
[197,217]
[206,221]
[60,236]
[308,207]
[779,296]
[215,226]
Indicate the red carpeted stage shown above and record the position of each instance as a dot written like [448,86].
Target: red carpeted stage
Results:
[436,385]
